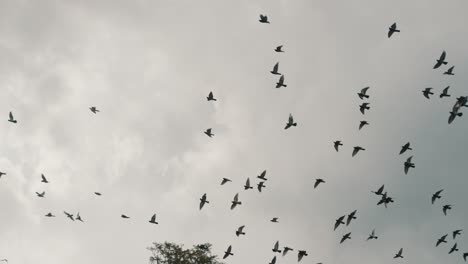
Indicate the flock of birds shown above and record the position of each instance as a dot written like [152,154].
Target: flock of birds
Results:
[385,199]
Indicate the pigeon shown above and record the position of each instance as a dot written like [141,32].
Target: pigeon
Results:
[78,217]
[351,216]
[210,97]
[363,94]
[445,92]
[235,202]
[203,201]
[4,260]
[441,60]
[441,240]
[356,150]
[276,247]
[228,253]
[94,109]
[69,215]
[301,254]
[279,48]
[408,164]
[290,122]
[436,196]
[317,182]
[208,132]
[456,232]
[273,261]
[124,216]
[446,207]
[280,82]
[44,180]
[453,115]
[225,180]
[274,220]
[97,193]
[41,195]
[247,185]
[426,92]
[405,147]
[262,176]
[336,144]
[153,220]
[339,221]
[363,107]
[12,119]
[392,29]
[286,250]
[465,255]
[449,71]
[454,248]
[2,173]
[260,185]
[275,69]
[50,215]
[399,254]
[380,190]
[362,124]
[264,19]
[240,231]
[372,235]
[345,237]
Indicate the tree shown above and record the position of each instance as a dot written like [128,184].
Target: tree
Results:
[170,253]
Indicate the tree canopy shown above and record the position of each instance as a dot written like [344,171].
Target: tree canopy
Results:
[171,253]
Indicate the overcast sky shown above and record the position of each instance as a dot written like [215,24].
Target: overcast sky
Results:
[149,65]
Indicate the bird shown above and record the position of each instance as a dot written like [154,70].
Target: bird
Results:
[225,180]
[317,182]
[441,240]
[454,248]
[380,190]
[4,260]
[280,82]
[362,124]
[351,216]
[94,109]
[405,147]
[208,132]
[461,101]
[456,232]
[436,196]
[264,19]
[445,92]
[275,69]
[228,253]
[41,195]
[449,71]
[441,60]
[345,237]
[97,193]
[276,247]
[124,216]
[203,201]
[235,202]
[274,220]
[363,107]
[78,217]
[356,150]
[12,119]
[210,97]
[69,215]
[50,215]
[240,231]
[279,48]
[262,176]
[153,220]
[290,122]
[453,115]
[392,29]
[2,173]
[339,221]
[372,235]
[273,261]
[336,144]
[286,250]
[426,92]
[465,255]
[363,94]
[399,254]
[247,185]
[408,164]
[301,254]
[445,208]
[44,180]
[260,185]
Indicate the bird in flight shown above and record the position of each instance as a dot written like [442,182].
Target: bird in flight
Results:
[445,92]
[364,107]
[441,60]
[362,124]
[456,232]
[405,147]
[97,193]
[426,92]
[153,220]
[210,97]
[286,250]
[274,220]
[94,109]
[351,216]
[228,252]
[372,235]
[225,180]
[399,254]
[4,260]
[441,240]
[336,144]
[276,247]
[339,221]
[273,261]
[50,215]
[78,217]
[275,69]
[356,150]
[124,216]
[240,231]
[203,201]
[280,82]
[69,215]
[380,190]
[345,237]
[301,254]
[279,48]
[41,195]
[260,185]
[454,248]
[2,173]
[317,182]
[235,201]
[247,185]
[12,119]
[445,208]
[392,29]
[436,196]
[363,94]
[449,71]
[208,132]
[408,164]
[465,255]
[262,176]
[290,122]
[264,19]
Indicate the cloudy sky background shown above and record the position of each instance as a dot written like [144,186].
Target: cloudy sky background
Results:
[148,66]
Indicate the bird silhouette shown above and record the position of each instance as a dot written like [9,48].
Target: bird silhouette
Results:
[405,147]
[337,144]
[317,182]
[363,93]
[264,19]
[210,97]
[408,164]
[456,232]
[290,122]
[345,237]
[275,69]
[2,173]
[235,201]
[445,208]
[279,48]
[44,180]
[4,260]
[441,60]
[69,215]
[228,252]
[78,217]
[392,29]
[153,220]
[441,240]
[339,221]
[363,107]
[351,216]
[465,255]
[49,215]
[203,201]
[12,119]
[41,195]
[362,124]
[94,109]
[280,82]
[247,185]
[301,254]
[97,193]
[449,71]
[399,254]
[380,190]
[274,220]
[276,247]
[356,150]
[208,132]
[372,235]
[286,250]
[436,196]
[426,92]
[273,261]
[454,248]
[260,185]
[124,216]
[225,180]
[445,92]
[262,176]
[240,231]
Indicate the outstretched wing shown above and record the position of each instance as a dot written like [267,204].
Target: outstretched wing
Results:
[11,116]
[291,119]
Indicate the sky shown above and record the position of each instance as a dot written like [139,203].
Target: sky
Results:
[148,67]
